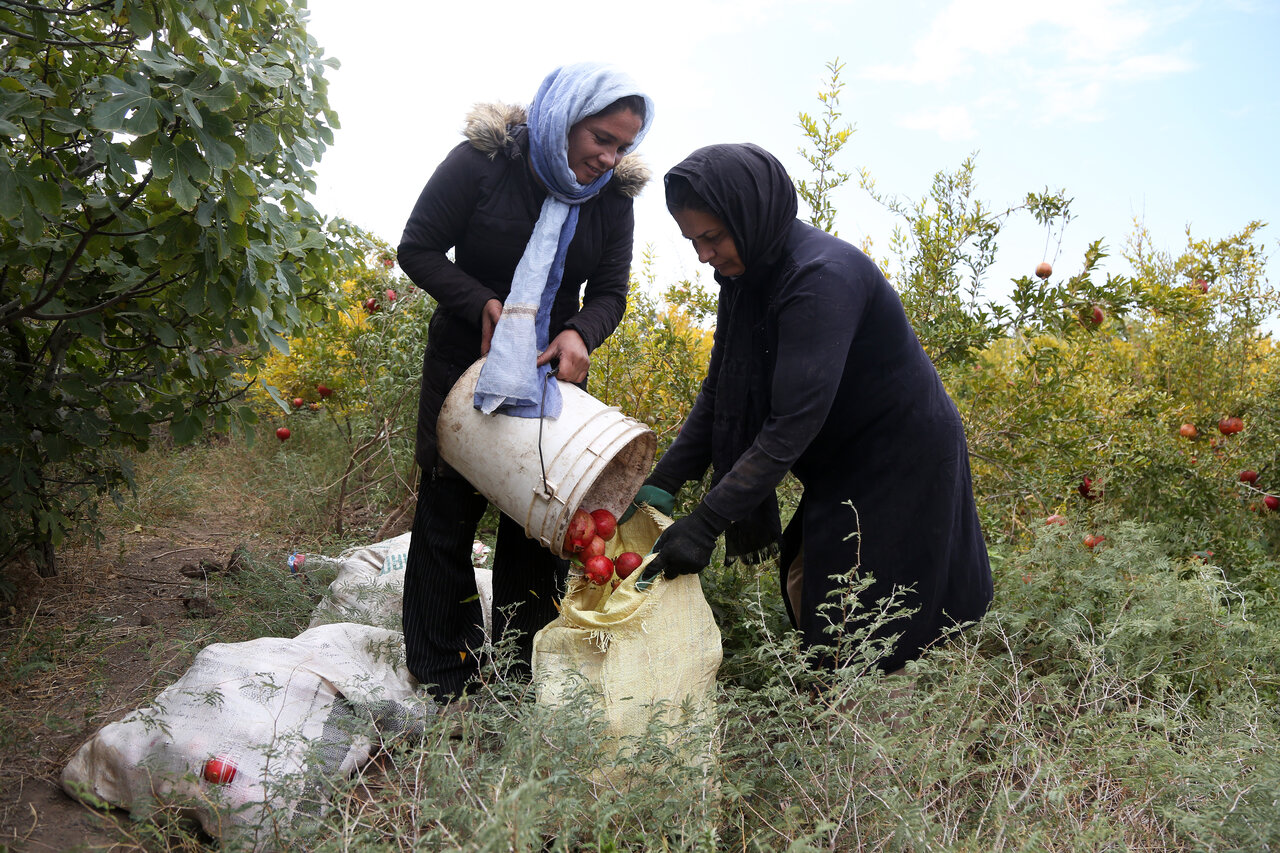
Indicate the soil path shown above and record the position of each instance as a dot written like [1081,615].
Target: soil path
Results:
[84,649]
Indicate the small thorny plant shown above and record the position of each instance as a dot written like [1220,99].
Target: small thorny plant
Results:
[1078,714]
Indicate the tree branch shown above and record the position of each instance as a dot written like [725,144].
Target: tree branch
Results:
[63,43]
[36,7]
[141,290]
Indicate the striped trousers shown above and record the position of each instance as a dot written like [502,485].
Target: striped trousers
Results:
[443,624]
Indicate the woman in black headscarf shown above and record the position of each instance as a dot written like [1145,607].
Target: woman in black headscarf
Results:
[816,370]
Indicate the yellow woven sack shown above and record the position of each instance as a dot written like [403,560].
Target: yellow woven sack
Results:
[644,648]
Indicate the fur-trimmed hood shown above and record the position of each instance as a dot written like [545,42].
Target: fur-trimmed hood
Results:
[491,128]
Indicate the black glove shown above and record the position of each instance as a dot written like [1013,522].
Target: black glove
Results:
[685,547]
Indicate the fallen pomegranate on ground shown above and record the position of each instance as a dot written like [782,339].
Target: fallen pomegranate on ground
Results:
[283,433]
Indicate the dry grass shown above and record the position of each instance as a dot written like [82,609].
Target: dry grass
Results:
[1103,706]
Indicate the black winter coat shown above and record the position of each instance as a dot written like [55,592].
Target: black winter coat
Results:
[854,408]
[482,202]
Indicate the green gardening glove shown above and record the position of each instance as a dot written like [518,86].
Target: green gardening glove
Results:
[663,501]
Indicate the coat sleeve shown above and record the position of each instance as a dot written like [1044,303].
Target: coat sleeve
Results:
[604,298]
[439,219]
[819,311]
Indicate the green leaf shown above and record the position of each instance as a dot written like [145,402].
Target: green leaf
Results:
[131,107]
[219,297]
[204,213]
[218,154]
[39,24]
[260,139]
[220,98]
[134,423]
[237,205]
[244,184]
[184,428]
[40,89]
[56,446]
[190,163]
[46,195]
[184,193]
[166,334]
[162,62]
[190,108]
[189,171]
[10,199]
[193,299]
[163,155]
[13,105]
[32,223]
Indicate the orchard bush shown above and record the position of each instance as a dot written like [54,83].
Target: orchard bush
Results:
[1089,418]
[154,235]
[652,366]
[357,378]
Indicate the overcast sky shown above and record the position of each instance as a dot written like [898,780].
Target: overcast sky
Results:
[1167,112]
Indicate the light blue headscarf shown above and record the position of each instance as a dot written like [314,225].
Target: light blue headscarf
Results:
[510,382]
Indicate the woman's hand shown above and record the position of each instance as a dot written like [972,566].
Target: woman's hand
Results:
[488,321]
[685,546]
[571,351]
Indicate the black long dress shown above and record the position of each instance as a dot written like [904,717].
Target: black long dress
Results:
[816,370]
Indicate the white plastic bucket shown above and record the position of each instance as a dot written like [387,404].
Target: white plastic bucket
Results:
[592,457]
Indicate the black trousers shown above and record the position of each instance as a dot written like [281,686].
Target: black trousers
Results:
[443,623]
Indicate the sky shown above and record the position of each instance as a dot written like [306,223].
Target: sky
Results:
[1152,112]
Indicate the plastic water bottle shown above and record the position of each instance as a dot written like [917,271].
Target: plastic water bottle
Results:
[303,564]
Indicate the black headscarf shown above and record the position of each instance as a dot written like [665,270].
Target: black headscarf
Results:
[747,189]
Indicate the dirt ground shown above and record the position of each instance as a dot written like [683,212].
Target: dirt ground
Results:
[134,598]
[123,620]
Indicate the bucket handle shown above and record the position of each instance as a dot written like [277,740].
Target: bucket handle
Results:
[542,463]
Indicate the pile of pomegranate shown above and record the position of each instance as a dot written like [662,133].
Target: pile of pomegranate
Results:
[585,542]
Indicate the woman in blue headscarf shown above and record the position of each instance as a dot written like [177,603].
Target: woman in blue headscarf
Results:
[534,205]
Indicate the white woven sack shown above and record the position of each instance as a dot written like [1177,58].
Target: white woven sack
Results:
[643,653]
[292,715]
[369,588]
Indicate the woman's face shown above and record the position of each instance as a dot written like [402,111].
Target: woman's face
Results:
[596,143]
[711,240]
